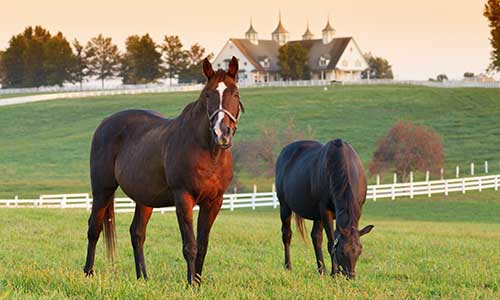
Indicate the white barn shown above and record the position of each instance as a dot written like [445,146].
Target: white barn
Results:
[331,58]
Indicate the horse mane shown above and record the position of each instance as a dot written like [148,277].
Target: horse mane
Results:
[344,182]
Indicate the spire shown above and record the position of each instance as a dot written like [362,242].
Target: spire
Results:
[280,34]
[328,32]
[308,35]
[251,34]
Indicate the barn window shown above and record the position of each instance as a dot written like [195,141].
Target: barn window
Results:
[323,61]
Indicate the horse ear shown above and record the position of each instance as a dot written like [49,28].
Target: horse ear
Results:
[207,69]
[366,230]
[233,68]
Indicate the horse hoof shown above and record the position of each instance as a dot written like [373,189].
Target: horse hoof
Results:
[89,272]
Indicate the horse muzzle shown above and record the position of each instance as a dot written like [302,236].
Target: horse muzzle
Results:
[223,141]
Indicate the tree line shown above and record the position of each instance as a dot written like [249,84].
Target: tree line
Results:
[37,58]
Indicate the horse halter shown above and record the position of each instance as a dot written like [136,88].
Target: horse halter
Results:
[225,111]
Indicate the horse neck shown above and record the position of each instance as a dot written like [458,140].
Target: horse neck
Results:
[339,174]
[194,120]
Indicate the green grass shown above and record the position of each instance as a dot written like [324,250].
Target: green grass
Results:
[44,147]
[437,248]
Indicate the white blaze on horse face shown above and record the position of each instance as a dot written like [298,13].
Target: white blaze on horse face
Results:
[220,116]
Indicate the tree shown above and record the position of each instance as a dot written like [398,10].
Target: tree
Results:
[492,12]
[408,147]
[468,75]
[80,68]
[442,77]
[292,60]
[35,58]
[175,57]
[193,71]
[103,58]
[59,60]
[141,62]
[378,68]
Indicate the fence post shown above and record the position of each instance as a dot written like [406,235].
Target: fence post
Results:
[275,202]
[427,175]
[63,202]
[442,173]
[15,200]
[231,199]
[472,168]
[457,172]
[480,184]
[446,187]
[374,192]
[463,185]
[411,184]
[254,195]
[393,191]
[496,182]
[486,166]
[378,179]
[87,202]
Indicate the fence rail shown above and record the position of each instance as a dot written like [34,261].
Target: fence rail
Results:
[54,93]
[269,199]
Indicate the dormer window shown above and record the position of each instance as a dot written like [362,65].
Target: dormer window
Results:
[265,63]
[323,61]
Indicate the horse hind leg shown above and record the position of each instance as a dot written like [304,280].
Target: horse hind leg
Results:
[317,239]
[286,233]
[138,236]
[101,208]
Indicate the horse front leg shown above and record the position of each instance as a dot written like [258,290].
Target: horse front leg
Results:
[327,220]
[184,203]
[206,218]
[317,239]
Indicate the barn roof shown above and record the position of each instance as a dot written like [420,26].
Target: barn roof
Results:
[256,53]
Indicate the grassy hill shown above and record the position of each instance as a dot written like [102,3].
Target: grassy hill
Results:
[44,147]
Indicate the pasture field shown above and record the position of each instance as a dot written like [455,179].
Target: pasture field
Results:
[437,248]
[44,146]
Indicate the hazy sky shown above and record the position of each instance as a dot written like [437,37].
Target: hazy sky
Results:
[420,38]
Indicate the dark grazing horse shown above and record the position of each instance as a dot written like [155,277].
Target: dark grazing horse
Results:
[160,162]
[321,183]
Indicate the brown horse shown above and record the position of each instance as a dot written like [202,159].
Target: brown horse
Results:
[161,162]
[322,183]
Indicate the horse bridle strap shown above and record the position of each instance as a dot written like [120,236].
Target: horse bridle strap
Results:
[225,111]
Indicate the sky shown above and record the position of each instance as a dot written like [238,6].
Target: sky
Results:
[421,39]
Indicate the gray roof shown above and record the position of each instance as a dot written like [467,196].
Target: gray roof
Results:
[332,51]
[328,27]
[251,30]
[280,28]
[270,49]
[256,53]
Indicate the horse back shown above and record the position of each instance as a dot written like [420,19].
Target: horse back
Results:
[296,178]
[127,149]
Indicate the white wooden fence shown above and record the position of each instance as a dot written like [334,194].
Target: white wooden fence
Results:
[269,199]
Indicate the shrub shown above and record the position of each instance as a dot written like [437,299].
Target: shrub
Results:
[408,147]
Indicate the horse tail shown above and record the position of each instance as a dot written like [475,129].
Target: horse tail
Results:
[110,229]
[345,175]
[301,226]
